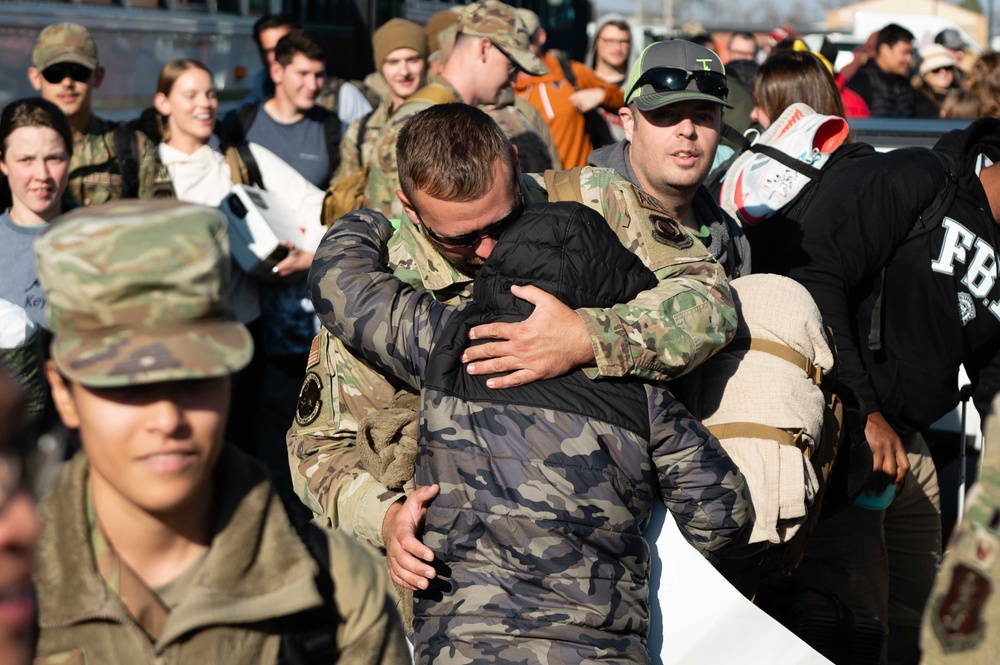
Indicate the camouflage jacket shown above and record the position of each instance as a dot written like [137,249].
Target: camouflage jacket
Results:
[257,570]
[539,521]
[355,154]
[660,335]
[961,622]
[383,177]
[95,176]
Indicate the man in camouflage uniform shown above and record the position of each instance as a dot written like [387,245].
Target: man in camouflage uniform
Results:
[659,335]
[961,622]
[65,71]
[400,50]
[530,469]
[160,542]
[491,46]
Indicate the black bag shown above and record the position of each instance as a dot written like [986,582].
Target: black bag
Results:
[597,127]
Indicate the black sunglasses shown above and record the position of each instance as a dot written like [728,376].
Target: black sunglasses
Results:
[494,230]
[674,79]
[57,73]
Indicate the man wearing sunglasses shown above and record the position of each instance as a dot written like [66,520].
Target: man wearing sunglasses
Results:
[491,46]
[110,161]
[674,99]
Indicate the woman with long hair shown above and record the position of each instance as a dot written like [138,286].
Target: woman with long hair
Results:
[793,76]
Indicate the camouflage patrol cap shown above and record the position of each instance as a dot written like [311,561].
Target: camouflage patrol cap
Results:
[64,42]
[505,28]
[138,292]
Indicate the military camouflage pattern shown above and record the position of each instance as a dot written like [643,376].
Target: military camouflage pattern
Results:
[534,500]
[961,622]
[64,42]
[661,335]
[352,160]
[94,174]
[503,26]
[536,151]
[383,172]
[138,292]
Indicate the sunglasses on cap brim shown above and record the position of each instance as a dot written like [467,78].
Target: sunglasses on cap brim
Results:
[674,79]
[57,73]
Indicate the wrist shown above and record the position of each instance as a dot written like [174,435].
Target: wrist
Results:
[390,519]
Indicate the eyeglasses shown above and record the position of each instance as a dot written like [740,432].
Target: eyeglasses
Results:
[616,42]
[514,67]
[494,230]
[673,79]
[946,68]
[58,72]
[31,467]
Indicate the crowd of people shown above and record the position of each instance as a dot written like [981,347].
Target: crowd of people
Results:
[435,429]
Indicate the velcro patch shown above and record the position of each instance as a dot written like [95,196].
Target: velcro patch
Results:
[310,400]
[957,615]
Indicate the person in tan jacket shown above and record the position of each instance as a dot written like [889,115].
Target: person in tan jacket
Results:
[160,543]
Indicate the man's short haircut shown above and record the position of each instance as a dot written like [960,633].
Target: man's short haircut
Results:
[271,21]
[621,25]
[891,35]
[448,152]
[299,41]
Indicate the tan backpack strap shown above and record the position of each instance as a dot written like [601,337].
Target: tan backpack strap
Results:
[237,169]
[433,93]
[564,185]
[779,350]
[758,431]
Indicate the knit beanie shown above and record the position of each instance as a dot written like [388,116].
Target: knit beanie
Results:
[398,33]
[436,24]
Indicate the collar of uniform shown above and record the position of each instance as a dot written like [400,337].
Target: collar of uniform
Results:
[411,250]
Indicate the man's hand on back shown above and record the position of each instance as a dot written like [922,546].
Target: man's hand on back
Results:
[403,550]
[551,342]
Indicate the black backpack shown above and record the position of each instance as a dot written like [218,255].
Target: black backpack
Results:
[597,127]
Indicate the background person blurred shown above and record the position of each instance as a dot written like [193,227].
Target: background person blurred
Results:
[793,76]
[267,31]
[566,96]
[35,150]
[935,79]
[984,80]
[609,54]
[883,82]
[19,529]
[952,40]
[962,104]
[65,71]
[741,46]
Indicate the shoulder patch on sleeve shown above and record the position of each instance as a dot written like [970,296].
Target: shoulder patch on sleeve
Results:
[310,400]
[956,616]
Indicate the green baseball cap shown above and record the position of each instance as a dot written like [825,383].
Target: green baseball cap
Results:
[138,292]
[64,42]
[682,55]
[503,26]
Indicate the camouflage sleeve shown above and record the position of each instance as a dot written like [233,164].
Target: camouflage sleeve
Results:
[383,178]
[339,389]
[700,483]
[362,303]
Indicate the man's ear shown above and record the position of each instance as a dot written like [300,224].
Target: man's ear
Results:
[408,208]
[276,71]
[628,122]
[62,396]
[35,78]
[484,48]
[97,77]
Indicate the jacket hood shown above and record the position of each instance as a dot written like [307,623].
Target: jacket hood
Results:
[569,251]
[965,146]
[591,58]
[614,156]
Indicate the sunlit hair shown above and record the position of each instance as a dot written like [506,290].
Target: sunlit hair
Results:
[171,72]
[984,80]
[787,77]
[34,112]
[448,152]
[962,104]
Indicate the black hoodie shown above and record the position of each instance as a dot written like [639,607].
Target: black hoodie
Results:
[941,302]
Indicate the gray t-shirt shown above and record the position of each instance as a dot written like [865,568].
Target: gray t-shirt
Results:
[19,283]
[301,144]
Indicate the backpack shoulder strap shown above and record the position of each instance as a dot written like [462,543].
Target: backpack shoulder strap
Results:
[309,638]
[564,185]
[127,155]
[245,116]
[331,132]
[362,128]
[567,68]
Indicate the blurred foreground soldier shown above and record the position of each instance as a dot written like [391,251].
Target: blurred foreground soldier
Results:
[962,620]
[563,472]
[161,543]
[110,161]
[18,528]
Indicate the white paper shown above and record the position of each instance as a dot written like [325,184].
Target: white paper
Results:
[706,619]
